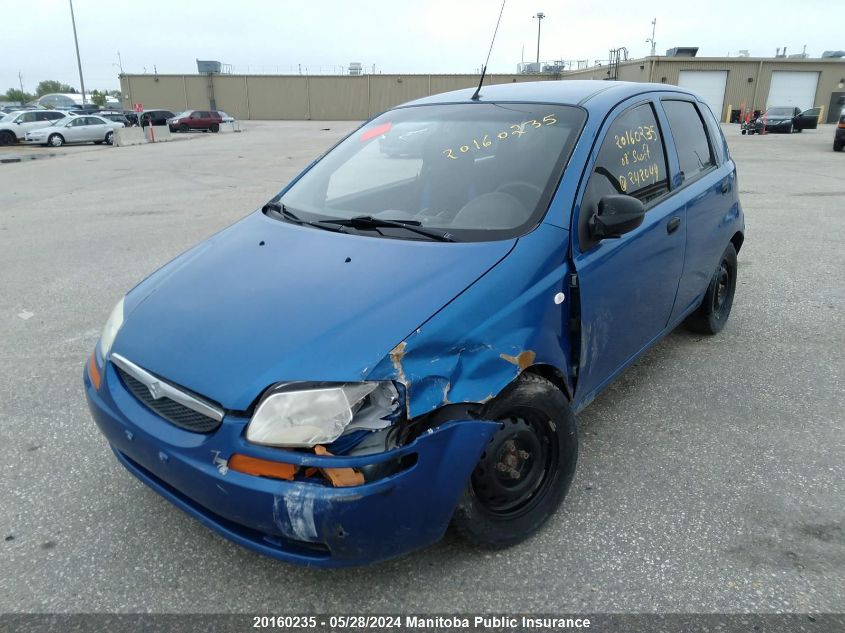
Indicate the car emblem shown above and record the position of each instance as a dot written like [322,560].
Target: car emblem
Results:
[155,390]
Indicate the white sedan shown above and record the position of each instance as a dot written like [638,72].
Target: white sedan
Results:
[76,129]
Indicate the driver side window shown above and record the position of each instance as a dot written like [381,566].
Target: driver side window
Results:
[631,161]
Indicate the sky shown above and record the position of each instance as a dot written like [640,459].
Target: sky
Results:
[397,36]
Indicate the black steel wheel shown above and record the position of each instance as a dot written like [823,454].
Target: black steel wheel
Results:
[715,308]
[525,470]
[7,138]
[214,127]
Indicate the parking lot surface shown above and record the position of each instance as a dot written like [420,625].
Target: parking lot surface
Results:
[711,474]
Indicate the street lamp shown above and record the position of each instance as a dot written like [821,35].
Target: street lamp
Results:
[651,39]
[78,60]
[539,17]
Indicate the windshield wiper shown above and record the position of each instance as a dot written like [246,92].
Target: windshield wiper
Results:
[369,222]
[290,216]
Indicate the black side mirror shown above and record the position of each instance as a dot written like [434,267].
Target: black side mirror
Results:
[617,215]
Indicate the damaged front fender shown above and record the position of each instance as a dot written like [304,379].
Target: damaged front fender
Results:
[514,317]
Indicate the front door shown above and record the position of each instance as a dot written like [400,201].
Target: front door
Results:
[627,285]
[808,119]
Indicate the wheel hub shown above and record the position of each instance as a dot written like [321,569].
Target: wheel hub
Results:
[513,467]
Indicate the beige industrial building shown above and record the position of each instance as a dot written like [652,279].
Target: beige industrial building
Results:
[728,84]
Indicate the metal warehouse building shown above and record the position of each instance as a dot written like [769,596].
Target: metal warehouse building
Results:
[728,84]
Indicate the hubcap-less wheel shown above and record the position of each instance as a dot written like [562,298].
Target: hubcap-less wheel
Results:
[7,138]
[720,296]
[56,140]
[513,471]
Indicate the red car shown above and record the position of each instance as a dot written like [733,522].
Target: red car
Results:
[196,120]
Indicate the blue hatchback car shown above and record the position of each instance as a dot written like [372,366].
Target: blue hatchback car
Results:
[400,341]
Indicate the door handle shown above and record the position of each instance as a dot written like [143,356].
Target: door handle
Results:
[673,224]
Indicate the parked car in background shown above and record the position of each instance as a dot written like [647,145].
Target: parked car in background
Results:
[226,117]
[786,120]
[115,115]
[15,126]
[839,137]
[196,120]
[403,343]
[153,117]
[76,129]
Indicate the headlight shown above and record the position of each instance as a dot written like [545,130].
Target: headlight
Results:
[111,329]
[299,415]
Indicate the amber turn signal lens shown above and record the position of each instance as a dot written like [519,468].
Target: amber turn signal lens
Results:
[94,372]
[261,467]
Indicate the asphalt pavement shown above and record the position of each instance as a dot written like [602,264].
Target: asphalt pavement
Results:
[711,477]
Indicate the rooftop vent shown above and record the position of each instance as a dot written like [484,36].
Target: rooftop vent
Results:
[682,51]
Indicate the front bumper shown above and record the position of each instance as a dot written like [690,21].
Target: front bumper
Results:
[304,522]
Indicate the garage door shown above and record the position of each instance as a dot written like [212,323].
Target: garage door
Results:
[709,85]
[791,88]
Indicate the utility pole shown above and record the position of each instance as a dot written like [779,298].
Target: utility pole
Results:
[653,43]
[20,81]
[78,60]
[119,62]
[539,17]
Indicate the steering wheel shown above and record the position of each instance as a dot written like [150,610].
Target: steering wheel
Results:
[521,189]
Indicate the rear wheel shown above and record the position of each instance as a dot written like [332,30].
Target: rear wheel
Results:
[526,469]
[8,138]
[109,138]
[215,127]
[56,140]
[715,308]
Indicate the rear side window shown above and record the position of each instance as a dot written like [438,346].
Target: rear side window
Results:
[54,116]
[695,154]
[631,161]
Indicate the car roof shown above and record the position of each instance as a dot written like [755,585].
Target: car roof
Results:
[591,94]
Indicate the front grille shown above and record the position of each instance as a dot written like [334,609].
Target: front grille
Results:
[175,413]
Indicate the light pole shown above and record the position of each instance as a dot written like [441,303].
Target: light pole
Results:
[78,60]
[539,17]
[653,43]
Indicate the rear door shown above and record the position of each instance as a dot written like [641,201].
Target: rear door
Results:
[706,182]
[627,285]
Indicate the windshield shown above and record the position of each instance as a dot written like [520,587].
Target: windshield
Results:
[474,171]
[779,112]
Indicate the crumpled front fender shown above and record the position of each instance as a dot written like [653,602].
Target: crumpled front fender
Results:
[514,317]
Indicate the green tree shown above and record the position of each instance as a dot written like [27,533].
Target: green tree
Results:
[13,94]
[51,85]
[98,98]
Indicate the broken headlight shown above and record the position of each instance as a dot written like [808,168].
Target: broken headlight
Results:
[303,415]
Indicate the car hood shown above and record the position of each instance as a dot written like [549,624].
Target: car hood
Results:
[266,301]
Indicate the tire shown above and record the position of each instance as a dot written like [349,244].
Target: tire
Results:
[184,127]
[710,317]
[837,146]
[538,441]
[214,127]
[790,128]
[56,140]
[8,138]
[109,138]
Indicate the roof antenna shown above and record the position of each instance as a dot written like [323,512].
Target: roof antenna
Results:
[477,93]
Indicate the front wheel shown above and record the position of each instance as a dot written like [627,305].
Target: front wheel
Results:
[56,140]
[712,314]
[184,127]
[109,138]
[526,468]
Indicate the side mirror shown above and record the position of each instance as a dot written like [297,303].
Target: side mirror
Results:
[617,215]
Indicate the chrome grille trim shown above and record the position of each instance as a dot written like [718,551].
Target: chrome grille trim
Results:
[159,389]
